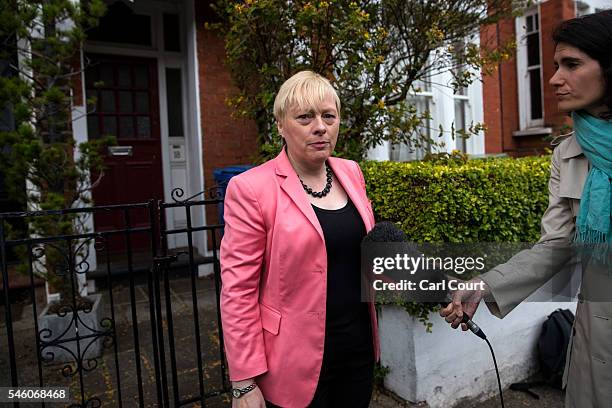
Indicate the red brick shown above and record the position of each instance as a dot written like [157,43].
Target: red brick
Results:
[225,140]
[500,90]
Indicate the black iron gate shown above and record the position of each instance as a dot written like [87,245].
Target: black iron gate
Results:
[150,336]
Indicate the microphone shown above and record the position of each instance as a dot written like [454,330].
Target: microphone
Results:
[474,328]
[388,232]
[385,231]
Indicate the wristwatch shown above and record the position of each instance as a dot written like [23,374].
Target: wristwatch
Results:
[239,392]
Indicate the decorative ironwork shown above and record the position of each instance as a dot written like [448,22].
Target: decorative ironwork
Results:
[84,344]
[211,193]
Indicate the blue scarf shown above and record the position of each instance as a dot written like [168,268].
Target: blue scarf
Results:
[593,222]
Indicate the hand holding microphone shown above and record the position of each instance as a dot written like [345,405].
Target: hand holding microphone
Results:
[465,302]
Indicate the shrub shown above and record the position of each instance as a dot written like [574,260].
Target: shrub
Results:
[455,201]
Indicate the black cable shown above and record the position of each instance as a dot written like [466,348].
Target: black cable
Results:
[465,319]
[501,395]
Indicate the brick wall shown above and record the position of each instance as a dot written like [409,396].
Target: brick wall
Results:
[226,140]
[500,94]
[500,89]
[552,12]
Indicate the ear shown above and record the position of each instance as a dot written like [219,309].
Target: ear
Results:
[279,127]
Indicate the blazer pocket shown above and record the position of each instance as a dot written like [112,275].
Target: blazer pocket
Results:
[270,319]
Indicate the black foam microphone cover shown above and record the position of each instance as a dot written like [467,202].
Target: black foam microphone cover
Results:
[385,231]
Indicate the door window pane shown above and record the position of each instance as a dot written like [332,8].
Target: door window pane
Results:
[125,102]
[93,130]
[141,76]
[110,125]
[126,126]
[143,127]
[91,76]
[174,102]
[92,95]
[142,102]
[124,76]
[107,101]
[106,75]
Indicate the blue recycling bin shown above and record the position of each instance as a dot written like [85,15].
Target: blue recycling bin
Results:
[222,177]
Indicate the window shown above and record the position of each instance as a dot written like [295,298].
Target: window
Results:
[422,100]
[121,25]
[172,33]
[462,115]
[174,100]
[529,67]
[461,101]
[124,98]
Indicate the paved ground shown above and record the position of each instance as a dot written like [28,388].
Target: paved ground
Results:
[548,398]
[113,377]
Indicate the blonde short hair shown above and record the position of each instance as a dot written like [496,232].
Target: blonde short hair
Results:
[306,89]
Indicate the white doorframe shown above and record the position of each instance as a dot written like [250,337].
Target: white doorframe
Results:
[186,60]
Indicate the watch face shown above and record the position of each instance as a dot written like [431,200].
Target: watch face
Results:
[236,393]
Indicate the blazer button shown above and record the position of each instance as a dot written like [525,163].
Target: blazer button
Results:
[580,298]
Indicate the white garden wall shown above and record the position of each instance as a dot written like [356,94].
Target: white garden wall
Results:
[447,366]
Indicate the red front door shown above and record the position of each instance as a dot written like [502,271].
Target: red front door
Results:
[126,107]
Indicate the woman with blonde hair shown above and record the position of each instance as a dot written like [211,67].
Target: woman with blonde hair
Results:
[295,329]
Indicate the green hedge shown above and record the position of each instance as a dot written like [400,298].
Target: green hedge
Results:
[481,200]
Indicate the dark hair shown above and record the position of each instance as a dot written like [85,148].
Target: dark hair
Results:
[592,34]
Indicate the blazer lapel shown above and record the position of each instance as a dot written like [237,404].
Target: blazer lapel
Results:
[292,186]
[350,184]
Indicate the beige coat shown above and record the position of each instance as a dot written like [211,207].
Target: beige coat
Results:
[588,370]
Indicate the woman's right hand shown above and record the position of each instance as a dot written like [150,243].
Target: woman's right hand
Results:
[252,399]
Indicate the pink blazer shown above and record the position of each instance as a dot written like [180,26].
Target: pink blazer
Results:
[274,274]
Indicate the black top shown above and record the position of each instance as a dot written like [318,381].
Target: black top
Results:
[347,325]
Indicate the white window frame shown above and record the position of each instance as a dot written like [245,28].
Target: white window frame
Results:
[461,144]
[524,91]
[441,103]
[400,152]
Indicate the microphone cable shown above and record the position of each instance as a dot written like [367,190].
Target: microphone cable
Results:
[478,332]
[501,395]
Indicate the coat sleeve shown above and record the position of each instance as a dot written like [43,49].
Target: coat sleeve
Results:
[513,281]
[242,254]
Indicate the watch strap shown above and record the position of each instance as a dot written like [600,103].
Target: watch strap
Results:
[239,392]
